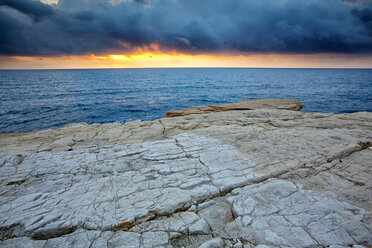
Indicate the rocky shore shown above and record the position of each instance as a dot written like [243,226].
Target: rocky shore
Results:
[225,176]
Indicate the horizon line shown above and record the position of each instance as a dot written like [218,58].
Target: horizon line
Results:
[217,67]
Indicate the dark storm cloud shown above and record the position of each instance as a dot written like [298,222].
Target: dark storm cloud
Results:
[35,9]
[75,27]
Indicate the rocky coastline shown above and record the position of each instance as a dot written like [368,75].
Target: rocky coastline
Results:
[252,174]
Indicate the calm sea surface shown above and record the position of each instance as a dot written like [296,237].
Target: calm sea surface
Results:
[41,99]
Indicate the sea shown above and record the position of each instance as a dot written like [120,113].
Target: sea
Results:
[42,99]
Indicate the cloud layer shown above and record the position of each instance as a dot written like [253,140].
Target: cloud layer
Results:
[77,27]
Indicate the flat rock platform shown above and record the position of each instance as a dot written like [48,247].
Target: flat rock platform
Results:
[263,177]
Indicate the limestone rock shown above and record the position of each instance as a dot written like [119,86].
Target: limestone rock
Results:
[95,239]
[244,105]
[257,178]
[116,187]
[177,223]
[217,215]
[234,127]
[279,212]
[23,242]
[199,227]
[213,243]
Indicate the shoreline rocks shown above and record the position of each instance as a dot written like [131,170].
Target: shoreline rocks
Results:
[242,178]
[244,105]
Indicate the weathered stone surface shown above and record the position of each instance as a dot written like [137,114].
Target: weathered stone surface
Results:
[95,239]
[236,127]
[199,227]
[244,105]
[116,187]
[278,212]
[213,243]
[347,178]
[178,223]
[23,242]
[217,215]
[265,178]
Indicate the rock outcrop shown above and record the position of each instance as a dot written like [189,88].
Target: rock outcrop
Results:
[253,178]
[244,105]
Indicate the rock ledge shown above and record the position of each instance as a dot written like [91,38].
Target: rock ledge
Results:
[244,105]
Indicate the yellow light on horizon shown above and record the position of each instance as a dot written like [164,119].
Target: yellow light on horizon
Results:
[174,59]
[119,57]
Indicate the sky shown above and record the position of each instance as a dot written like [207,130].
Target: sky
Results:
[185,33]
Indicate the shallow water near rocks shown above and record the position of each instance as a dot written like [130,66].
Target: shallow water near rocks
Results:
[40,99]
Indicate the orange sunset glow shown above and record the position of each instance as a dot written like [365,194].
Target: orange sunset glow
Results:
[174,60]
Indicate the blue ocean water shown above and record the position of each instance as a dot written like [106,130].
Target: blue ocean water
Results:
[41,99]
